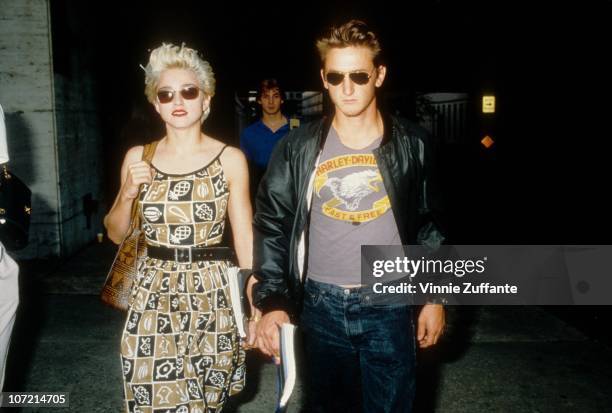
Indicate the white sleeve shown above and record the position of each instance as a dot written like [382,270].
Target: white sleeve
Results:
[4,156]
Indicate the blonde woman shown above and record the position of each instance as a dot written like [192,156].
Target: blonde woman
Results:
[180,350]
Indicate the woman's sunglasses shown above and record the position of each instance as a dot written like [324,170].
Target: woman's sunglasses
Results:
[358,77]
[167,95]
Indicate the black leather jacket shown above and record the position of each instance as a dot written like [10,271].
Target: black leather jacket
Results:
[285,193]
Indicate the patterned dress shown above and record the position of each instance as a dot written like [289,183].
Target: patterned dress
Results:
[180,349]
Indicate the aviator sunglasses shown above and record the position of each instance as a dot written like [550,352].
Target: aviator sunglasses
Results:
[358,77]
[188,92]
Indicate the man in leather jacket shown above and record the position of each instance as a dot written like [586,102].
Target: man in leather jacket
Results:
[357,178]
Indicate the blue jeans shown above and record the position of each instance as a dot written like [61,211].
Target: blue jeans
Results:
[359,356]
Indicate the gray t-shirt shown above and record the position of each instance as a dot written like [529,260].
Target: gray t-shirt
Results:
[350,207]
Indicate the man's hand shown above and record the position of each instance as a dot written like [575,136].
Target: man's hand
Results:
[431,323]
[267,333]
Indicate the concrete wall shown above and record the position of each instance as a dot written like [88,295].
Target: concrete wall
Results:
[52,126]
[80,164]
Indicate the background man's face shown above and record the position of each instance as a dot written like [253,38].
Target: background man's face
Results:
[270,101]
[348,97]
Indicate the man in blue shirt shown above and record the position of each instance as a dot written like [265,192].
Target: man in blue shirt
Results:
[258,140]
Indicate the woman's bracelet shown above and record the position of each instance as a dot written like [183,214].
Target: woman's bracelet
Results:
[255,318]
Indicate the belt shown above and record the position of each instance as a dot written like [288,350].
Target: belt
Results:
[191,254]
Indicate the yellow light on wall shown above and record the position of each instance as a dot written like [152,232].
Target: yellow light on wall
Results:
[488,104]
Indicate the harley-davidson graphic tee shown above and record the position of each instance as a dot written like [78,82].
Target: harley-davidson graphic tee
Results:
[350,207]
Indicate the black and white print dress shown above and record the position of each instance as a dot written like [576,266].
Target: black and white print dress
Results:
[180,349]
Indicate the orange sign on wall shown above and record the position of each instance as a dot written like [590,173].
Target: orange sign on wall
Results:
[487,141]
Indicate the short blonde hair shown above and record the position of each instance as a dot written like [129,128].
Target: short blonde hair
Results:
[354,33]
[170,56]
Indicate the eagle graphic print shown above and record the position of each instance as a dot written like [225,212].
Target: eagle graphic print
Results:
[351,188]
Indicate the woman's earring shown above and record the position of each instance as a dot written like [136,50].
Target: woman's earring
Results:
[205,112]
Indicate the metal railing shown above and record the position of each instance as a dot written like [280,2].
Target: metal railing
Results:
[448,117]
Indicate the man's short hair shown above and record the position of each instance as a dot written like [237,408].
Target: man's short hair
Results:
[353,33]
[270,84]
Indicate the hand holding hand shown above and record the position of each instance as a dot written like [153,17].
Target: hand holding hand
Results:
[268,339]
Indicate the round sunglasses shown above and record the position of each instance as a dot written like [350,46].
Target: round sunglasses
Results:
[188,92]
[358,77]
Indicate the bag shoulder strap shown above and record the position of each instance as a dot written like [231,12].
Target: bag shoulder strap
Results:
[148,152]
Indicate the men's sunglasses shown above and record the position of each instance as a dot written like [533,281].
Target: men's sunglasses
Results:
[167,95]
[358,77]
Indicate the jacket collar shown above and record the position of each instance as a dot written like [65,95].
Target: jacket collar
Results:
[388,124]
[325,127]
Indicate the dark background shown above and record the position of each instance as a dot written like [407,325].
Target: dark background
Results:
[543,182]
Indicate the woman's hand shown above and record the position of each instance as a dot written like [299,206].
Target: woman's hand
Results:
[252,329]
[255,315]
[137,173]
[134,171]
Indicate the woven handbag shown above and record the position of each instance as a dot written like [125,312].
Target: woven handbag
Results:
[118,285]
